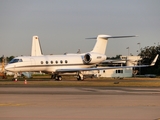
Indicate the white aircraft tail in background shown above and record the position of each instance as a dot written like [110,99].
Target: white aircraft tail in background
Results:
[36,47]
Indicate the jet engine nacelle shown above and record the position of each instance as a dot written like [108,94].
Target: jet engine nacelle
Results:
[90,58]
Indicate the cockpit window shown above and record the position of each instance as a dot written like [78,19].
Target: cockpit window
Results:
[15,60]
[20,60]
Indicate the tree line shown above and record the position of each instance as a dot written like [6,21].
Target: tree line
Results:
[148,54]
[6,59]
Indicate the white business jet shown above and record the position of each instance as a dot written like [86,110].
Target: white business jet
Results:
[68,63]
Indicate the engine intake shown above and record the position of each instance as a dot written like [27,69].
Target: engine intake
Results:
[87,58]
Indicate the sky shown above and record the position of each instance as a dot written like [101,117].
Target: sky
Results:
[63,25]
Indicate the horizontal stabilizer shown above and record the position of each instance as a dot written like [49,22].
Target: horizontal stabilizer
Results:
[108,36]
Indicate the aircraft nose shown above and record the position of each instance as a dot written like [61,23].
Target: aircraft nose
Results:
[9,68]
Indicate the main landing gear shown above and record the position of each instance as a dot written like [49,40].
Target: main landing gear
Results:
[80,77]
[56,77]
[59,77]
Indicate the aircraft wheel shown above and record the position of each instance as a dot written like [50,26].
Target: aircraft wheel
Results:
[59,78]
[56,77]
[79,78]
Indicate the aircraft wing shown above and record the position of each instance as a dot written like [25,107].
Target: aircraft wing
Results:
[104,68]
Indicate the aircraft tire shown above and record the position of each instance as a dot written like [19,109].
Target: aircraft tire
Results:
[59,78]
[79,78]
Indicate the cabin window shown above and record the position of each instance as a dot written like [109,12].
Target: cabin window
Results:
[66,61]
[56,62]
[46,62]
[51,62]
[41,62]
[61,61]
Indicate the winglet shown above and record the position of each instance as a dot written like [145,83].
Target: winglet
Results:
[154,61]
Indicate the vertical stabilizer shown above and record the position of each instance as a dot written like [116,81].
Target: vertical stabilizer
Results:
[100,46]
[36,47]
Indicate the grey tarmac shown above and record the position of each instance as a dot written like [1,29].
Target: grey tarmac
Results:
[79,103]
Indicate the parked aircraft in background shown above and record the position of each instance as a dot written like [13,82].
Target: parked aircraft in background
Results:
[68,63]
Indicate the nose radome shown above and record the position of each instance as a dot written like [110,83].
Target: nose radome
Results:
[8,68]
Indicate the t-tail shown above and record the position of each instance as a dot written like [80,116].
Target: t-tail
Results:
[36,47]
[101,44]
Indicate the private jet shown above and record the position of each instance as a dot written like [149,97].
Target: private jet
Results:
[57,65]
